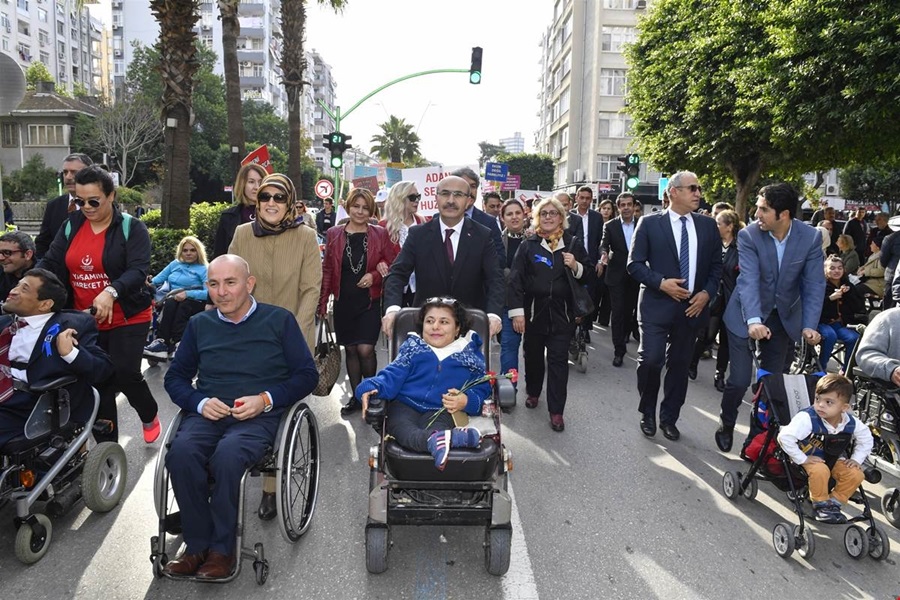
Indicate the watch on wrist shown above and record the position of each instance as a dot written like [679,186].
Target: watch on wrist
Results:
[267,400]
[112,292]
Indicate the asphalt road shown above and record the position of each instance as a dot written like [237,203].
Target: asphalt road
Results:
[600,512]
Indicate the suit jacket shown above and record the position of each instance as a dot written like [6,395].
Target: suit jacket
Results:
[796,288]
[55,214]
[475,279]
[616,248]
[595,232]
[92,365]
[482,218]
[654,257]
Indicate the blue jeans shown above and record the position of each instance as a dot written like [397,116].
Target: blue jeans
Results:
[831,333]
[510,341]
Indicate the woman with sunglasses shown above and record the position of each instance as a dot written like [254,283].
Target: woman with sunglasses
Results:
[246,186]
[399,215]
[356,255]
[540,304]
[103,256]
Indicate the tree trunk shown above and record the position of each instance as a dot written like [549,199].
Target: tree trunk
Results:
[746,174]
[176,194]
[231,29]
[293,65]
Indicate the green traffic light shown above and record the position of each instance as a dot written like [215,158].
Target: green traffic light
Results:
[475,78]
[337,162]
[632,182]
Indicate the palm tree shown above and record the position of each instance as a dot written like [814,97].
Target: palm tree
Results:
[231,29]
[293,66]
[177,47]
[397,142]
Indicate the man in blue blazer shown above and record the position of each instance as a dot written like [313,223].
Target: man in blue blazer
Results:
[778,297]
[676,257]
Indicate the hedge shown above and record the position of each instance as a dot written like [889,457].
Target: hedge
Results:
[164,241]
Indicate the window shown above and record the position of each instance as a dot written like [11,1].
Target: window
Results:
[613,82]
[60,28]
[557,77]
[4,22]
[10,135]
[43,38]
[620,4]
[207,38]
[564,101]
[613,38]
[614,125]
[23,28]
[22,4]
[566,64]
[605,166]
[42,15]
[564,137]
[24,52]
[45,58]
[567,28]
[46,135]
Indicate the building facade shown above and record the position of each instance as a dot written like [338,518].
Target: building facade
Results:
[514,144]
[315,120]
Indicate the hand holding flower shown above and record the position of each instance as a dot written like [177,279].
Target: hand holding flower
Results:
[454,400]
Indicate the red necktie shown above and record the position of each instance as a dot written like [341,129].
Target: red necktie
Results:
[6,382]
[448,245]
[71,208]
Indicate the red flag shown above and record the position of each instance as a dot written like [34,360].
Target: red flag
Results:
[259,156]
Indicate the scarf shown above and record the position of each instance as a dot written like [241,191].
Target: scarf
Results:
[289,221]
[551,238]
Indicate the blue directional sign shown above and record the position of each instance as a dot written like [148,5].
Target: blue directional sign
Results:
[496,171]
[663,184]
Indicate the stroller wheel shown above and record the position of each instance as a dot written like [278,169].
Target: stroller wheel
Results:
[890,506]
[751,490]
[856,542]
[581,363]
[805,542]
[879,543]
[731,482]
[783,540]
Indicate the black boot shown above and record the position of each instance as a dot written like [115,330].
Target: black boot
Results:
[720,382]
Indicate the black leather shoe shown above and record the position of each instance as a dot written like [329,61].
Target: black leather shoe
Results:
[350,408]
[725,438]
[267,510]
[617,361]
[719,383]
[648,426]
[692,372]
[670,431]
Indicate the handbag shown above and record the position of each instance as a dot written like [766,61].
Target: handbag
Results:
[327,358]
[582,303]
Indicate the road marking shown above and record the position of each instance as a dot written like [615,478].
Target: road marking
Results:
[518,583]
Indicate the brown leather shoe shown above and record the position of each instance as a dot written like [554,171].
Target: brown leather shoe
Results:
[186,564]
[531,402]
[557,423]
[217,566]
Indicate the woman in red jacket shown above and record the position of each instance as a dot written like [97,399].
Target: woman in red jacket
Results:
[355,255]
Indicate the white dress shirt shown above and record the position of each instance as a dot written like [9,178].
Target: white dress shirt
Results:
[675,220]
[24,341]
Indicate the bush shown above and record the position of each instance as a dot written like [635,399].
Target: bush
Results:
[128,196]
[163,243]
[205,221]
[152,218]
[34,181]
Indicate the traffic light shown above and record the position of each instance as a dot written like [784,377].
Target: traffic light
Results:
[336,143]
[632,171]
[475,69]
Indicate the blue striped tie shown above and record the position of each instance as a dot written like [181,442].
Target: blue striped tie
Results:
[684,255]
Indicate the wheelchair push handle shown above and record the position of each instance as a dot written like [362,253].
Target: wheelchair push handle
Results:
[177,291]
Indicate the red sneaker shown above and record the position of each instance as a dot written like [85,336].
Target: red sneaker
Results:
[152,430]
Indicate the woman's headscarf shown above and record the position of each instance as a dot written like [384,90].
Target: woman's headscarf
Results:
[283,183]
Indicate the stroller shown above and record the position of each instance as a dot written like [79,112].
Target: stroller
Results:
[776,400]
[160,296]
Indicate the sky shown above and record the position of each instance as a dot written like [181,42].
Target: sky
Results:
[373,42]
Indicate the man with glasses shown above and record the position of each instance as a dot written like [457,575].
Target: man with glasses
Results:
[777,299]
[676,257]
[451,256]
[16,257]
[57,210]
[479,216]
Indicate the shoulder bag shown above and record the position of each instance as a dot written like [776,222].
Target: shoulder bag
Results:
[327,358]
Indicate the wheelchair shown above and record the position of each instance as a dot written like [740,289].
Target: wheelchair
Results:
[294,461]
[160,296]
[50,463]
[406,489]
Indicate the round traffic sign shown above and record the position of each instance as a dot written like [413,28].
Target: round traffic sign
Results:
[324,189]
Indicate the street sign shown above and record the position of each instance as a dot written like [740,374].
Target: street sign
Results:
[512,183]
[663,184]
[496,171]
[324,189]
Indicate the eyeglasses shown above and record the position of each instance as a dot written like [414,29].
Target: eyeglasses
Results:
[693,187]
[438,300]
[93,202]
[8,253]
[266,196]
[414,197]
[546,214]
[457,195]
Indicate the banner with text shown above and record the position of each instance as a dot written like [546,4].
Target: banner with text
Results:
[426,180]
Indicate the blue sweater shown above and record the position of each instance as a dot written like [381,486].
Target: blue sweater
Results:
[180,275]
[418,379]
[265,352]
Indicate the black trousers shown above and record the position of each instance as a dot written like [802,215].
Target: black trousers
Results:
[175,316]
[410,427]
[125,346]
[624,297]
[705,339]
[556,345]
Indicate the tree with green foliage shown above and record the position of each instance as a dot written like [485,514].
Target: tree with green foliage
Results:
[872,184]
[35,73]
[488,151]
[34,181]
[396,142]
[536,170]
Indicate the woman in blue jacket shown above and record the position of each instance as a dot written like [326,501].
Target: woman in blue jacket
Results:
[188,270]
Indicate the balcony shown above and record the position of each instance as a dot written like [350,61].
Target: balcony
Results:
[253,82]
[254,56]
[251,8]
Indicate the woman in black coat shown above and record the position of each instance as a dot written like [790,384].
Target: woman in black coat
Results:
[246,185]
[541,306]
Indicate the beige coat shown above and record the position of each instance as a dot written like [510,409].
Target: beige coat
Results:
[288,271]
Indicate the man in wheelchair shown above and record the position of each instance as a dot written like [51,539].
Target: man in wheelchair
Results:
[251,363]
[42,343]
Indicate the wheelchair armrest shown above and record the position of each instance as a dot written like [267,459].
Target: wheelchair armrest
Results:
[506,393]
[375,411]
[54,384]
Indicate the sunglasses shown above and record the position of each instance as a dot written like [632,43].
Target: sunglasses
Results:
[438,300]
[266,196]
[414,197]
[693,187]
[93,202]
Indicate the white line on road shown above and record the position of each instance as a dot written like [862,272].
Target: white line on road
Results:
[518,583]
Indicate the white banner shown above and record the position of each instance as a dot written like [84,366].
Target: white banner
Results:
[426,180]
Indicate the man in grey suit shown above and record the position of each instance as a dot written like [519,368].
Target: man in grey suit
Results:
[778,297]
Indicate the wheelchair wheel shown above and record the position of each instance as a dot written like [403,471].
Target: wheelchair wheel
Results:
[104,476]
[890,506]
[298,472]
[377,546]
[31,547]
[856,542]
[497,550]
[163,495]
[783,539]
[806,543]
[879,543]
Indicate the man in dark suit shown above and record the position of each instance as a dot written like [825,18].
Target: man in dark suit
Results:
[451,256]
[42,345]
[618,234]
[777,298]
[676,257]
[587,225]
[479,216]
[859,231]
[57,210]
[16,258]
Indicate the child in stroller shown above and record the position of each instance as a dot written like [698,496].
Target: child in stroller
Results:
[817,438]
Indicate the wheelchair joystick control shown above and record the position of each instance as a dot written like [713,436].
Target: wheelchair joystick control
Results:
[375,410]
[873,475]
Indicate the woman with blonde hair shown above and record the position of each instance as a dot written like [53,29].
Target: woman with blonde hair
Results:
[399,215]
[540,303]
[246,186]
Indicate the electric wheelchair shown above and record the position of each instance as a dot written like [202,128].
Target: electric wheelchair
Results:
[294,462]
[50,463]
[406,489]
